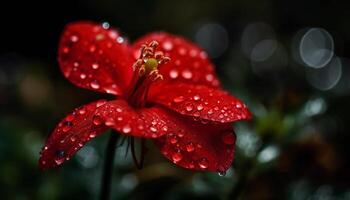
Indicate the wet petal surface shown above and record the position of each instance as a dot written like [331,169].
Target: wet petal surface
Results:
[143,122]
[201,102]
[95,57]
[70,135]
[197,145]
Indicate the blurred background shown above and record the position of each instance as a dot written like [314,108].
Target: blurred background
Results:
[288,60]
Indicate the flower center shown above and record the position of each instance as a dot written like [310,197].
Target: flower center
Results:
[145,73]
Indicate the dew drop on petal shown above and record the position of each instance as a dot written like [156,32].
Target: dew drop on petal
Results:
[179,99]
[120,40]
[82,76]
[126,129]
[200,107]
[203,163]
[153,129]
[167,45]
[173,73]
[94,84]
[173,139]
[95,66]
[97,120]
[187,74]
[92,135]
[190,147]
[74,38]
[177,156]
[110,122]
[209,77]
[67,125]
[222,173]
[189,108]
[196,97]
[73,138]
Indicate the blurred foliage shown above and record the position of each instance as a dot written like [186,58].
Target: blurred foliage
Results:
[295,148]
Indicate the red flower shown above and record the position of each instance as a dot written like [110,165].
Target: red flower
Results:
[178,104]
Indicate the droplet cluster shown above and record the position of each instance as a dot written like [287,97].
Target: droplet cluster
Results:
[203,103]
[95,57]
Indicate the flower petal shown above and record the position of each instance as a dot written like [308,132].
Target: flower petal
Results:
[197,145]
[143,122]
[95,58]
[70,135]
[201,102]
[188,64]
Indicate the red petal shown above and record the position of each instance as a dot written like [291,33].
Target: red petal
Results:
[194,145]
[70,135]
[189,63]
[143,122]
[95,58]
[201,102]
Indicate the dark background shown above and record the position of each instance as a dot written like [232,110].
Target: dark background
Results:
[295,148]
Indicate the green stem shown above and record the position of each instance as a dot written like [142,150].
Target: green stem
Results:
[105,190]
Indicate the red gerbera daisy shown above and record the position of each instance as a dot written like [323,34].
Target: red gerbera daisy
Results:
[165,89]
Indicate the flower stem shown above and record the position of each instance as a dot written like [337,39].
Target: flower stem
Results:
[105,189]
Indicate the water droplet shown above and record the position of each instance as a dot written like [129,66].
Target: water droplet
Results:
[228,138]
[189,108]
[190,147]
[187,74]
[177,156]
[210,112]
[94,66]
[74,38]
[222,173]
[65,50]
[167,45]
[203,163]
[153,129]
[73,138]
[196,97]
[193,53]
[238,105]
[105,25]
[92,135]
[165,128]
[120,40]
[200,107]
[82,76]
[182,51]
[126,129]
[92,48]
[173,73]
[120,118]
[110,122]
[209,77]
[173,139]
[97,120]
[76,64]
[179,99]
[94,84]
[59,161]
[67,125]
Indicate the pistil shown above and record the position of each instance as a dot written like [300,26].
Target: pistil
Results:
[145,73]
